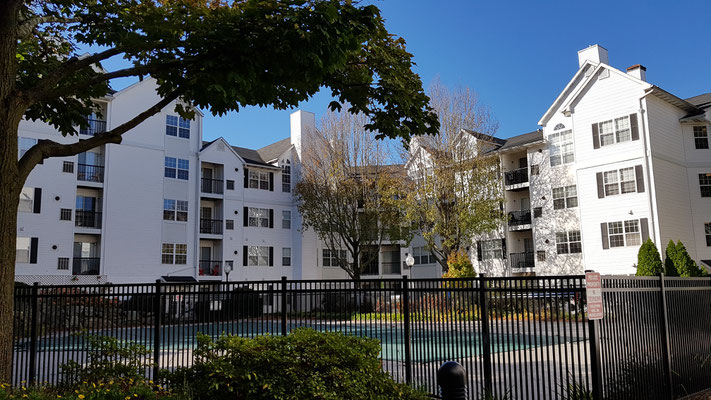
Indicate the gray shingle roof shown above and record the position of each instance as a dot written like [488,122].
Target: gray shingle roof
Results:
[261,156]
[520,140]
[701,101]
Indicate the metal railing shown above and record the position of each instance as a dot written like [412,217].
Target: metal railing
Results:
[90,173]
[520,217]
[85,266]
[95,126]
[391,268]
[210,268]
[211,226]
[521,260]
[516,176]
[87,219]
[215,186]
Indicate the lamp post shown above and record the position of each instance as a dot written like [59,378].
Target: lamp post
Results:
[409,260]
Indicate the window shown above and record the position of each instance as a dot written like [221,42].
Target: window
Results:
[705,184]
[230,185]
[561,147]
[176,168]
[230,224]
[541,255]
[707,230]
[174,253]
[615,131]
[258,217]
[258,180]
[177,126]
[535,169]
[258,256]
[491,249]
[565,197]
[422,256]
[22,250]
[330,258]
[286,256]
[620,181]
[68,166]
[568,242]
[701,137]
[167,253]
[65,214]
[175,210]
[286,178]
[181,253]
[624,233]
[25,144]
[286,219]
[63,263]
[27,196]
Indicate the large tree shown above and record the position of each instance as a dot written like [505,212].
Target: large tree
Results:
[348,194]
[455,191]
[205,53]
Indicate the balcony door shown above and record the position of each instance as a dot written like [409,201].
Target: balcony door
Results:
[525,204]
[528,245]
[523,162]
[86,259]
[205,253]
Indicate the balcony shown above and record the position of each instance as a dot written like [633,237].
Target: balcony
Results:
[390,268]
[90,173]
[95,126]
[210,268]
[520,220]
[87,219]
[516,178]
[85,266]
[521,261]
[211,226]
[214,186]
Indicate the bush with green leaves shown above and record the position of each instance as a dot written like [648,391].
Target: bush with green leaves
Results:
[649,263]
[669,267]
[303,365]
[108,390]
[686,266]
[460,266]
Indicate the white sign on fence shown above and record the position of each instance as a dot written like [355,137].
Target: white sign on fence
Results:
[593,292]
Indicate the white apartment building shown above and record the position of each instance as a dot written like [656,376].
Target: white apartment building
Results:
[617,160]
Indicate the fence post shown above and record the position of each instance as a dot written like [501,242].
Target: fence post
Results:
[485,337]
[283,306]
[406,325]
[595,359]
[33,334]
[157,314]
[666,350]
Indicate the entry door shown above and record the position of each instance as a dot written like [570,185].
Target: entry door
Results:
[528,245]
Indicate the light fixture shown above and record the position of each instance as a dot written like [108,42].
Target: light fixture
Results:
[409,260]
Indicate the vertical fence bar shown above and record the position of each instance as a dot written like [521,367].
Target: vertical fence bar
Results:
[485,337]
[156,328]
[666,350]
[283,305]
[33,334]
[595,359]
[406,327]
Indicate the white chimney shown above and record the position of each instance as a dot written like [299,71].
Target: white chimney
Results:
[638,71]
[303,124]
[595,53]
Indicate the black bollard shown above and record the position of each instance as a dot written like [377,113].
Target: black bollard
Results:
[452,381]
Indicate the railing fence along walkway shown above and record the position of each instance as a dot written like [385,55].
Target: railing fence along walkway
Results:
[521,337]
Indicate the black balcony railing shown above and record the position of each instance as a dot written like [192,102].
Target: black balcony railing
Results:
[521,217]
[516,176]
[85,266]
[522,260]
[87,219]
[90,173]
[211,226]
[210,268]
[95,126]
[215,186]
[391,268]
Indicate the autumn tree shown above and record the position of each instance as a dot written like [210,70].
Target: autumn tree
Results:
[210,54]
[455,193]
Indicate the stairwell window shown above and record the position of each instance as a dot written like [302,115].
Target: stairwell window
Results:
[705,184]
[174,253]
[177,126]
[175,210]
[568,242]
[565,197]
[701,137]
[286,178]
[561,148]
[177,168]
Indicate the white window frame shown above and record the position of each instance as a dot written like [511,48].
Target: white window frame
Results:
[705,184]
[22,249]
[561,147]
[423,256]
[177,126]
[567,195]
[286,219]
[258,256]
[707,231]
[625,233]
[174,253]
[330,258]
[701,137]
[286,178]
[258,217]
[615,182]
[568,242]
[616,130]
[258,179]
[175,210]
[286,256]
[492,250]
[27,200]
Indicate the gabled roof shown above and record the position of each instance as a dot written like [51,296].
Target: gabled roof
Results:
[522,140]
[579,75]
[250,156]
[701,101]
[485,137]
[273,151]
[673,100]
[261,157]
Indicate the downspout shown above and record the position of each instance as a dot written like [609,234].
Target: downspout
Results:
[648,171]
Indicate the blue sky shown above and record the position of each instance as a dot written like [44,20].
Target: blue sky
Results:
[518,55]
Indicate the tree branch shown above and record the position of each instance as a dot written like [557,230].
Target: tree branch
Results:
[26,27]
[48,148]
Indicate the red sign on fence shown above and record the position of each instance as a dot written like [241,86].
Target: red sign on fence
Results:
[593,292]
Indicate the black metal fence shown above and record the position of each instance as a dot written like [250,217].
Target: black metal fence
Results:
[517,337]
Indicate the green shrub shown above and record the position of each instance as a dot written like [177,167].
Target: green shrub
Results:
[303,365]
[649,263]
[669,267]
[109,390]
[684,264]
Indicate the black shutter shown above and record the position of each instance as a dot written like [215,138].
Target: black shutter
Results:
[37,203]
[503,248]
[600,186]
[596,137]
[640,178]
[634,126]
[478,251]
[246,178]
[605,238]
[244,256]
[34,242]
[644,225]
[271,218]
[246,216]
[271,181]
[271,256]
